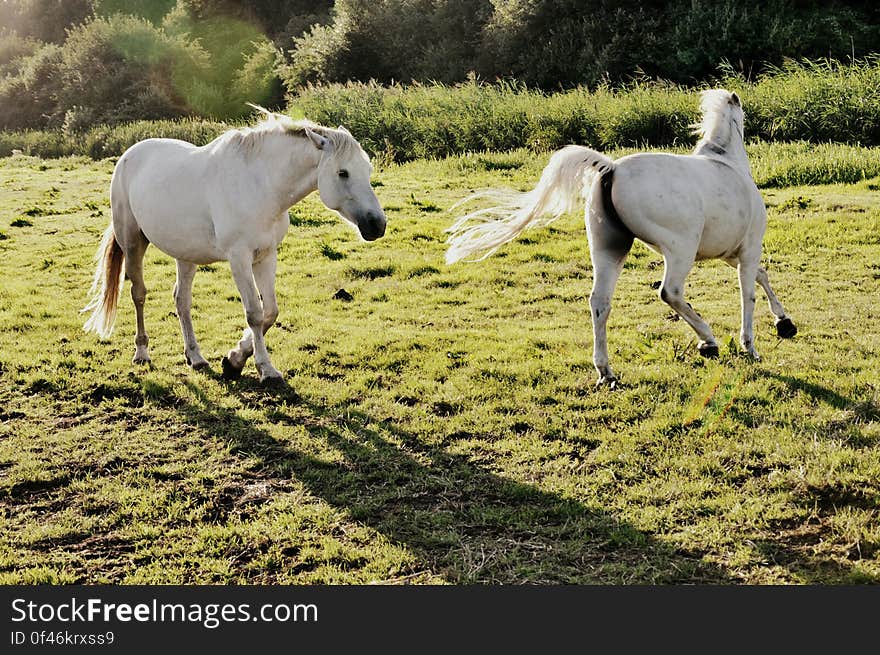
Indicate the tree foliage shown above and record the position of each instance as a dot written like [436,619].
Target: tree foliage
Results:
[77,62]
[561,43]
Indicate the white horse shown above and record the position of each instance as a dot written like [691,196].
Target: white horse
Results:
[686,207]
[225,201]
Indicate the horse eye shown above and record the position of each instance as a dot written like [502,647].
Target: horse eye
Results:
[343,173]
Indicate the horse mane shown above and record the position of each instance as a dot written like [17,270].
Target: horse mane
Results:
[248,140]
[715,128]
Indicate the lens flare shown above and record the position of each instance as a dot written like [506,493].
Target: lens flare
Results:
[714,398]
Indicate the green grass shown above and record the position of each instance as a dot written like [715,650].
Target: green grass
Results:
[442,426]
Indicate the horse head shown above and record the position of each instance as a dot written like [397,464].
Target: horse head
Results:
[722,117]
[344,181]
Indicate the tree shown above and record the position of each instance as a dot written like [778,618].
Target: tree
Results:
[44,20]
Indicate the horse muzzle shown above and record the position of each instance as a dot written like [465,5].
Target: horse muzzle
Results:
[371,226]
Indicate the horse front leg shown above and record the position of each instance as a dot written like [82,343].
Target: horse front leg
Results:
[260,315]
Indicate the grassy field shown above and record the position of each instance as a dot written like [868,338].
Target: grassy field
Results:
[443,426]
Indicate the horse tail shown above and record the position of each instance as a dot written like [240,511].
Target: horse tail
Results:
[106,286]
[563,182]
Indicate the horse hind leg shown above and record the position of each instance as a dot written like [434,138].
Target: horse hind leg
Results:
[186,271]
[134,245]
[672,293]
[785,328]
[748,270]
[609,246]
[134,269]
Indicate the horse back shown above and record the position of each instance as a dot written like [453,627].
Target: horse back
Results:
[676,202]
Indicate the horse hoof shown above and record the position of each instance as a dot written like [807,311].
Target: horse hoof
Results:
[142,361]
[229,371]
[273,382]
[201,366]
[607,381]
[709,350]
[785,328]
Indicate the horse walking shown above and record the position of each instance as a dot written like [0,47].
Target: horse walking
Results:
[686,207]
[225,201]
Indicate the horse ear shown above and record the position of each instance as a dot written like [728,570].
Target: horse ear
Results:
[319,141]
[734,99]
[342,128]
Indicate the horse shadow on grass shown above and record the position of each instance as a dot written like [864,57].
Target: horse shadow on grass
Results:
[796,544]
[460,521]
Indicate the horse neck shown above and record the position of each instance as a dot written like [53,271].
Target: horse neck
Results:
[733,152]
[291,168]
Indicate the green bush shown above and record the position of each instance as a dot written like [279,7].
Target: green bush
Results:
[817,101]
[13,49]
[387,40]
[44,20]
[124,68]
[39,143]
[812,102]
[559,44]
[241,64]
[437,120]
[27,97]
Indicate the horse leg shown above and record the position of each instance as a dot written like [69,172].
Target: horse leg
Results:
[784,327]
[186,271]
[243,272]
[672,293]
[609,246]
[134,249]
[748,270]
[264,277]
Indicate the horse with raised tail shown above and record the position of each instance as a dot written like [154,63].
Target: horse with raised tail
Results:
[704,205]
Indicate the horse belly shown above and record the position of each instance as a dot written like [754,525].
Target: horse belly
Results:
[176,229]
[192,242]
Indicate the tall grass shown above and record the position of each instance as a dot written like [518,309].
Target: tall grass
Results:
[437,120]
[106,141]
[813,101]
[801,163]
[817,102]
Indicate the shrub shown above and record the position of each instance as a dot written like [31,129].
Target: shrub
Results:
[241,65]
[814,101]
[387,40]
[559,44]
[123,68]
[44,20]
[817,101]
[14,48]
[27,98]
[106,140]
